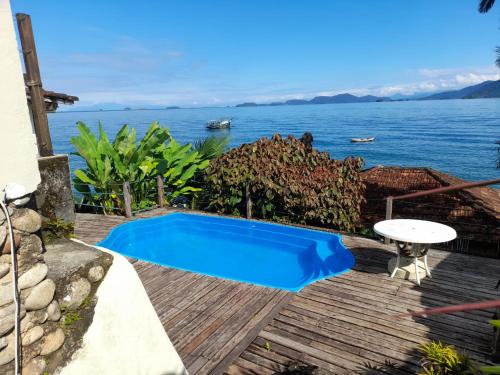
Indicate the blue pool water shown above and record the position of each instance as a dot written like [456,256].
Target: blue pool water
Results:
[266,254]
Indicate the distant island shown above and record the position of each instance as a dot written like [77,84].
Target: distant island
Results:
[484,90]
[487,89]
[341,98]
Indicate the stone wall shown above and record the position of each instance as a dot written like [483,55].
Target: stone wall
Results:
[54,198]
[51,295]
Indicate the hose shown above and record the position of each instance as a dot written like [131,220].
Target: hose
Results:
[17,320]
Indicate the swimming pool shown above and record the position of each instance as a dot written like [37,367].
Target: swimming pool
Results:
[265,254]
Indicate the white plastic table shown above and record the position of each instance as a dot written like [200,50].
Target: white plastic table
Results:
[413,239]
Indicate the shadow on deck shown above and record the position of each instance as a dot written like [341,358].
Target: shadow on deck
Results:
[344,324]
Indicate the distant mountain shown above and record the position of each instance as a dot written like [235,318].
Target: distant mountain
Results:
[341,98]
[247,104]
[294,102]
[486,89]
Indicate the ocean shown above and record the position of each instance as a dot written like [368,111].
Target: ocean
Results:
[453,136]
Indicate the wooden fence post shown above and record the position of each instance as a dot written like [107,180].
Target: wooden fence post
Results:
[34,83]
[161,193]
[127,199]
[248,199]
[388,215]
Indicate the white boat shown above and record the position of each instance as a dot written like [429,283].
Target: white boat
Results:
[219,124]
[362,140]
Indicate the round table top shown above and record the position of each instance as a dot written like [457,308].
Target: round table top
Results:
[415,231]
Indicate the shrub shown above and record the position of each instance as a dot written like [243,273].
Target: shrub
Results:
[57,228]
[288,182]
[441,359]
[110,164]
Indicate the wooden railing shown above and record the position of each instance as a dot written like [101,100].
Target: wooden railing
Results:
[127,196]
[441,190]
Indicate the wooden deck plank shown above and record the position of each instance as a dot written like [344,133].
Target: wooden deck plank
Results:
[344,324]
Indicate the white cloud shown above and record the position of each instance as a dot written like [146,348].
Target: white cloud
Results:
[139,79]
[435,80]
[472,78]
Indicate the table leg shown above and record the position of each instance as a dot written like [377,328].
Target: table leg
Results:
[427,270]
[397,265]
[413,252]
[417,276]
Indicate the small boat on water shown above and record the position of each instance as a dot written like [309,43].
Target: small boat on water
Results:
[362,140]
[219,124]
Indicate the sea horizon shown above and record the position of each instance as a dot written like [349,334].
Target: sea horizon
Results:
[453,136]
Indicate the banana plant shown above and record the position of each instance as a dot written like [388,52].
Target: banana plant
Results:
[96,184]
[110,164]
[178,165]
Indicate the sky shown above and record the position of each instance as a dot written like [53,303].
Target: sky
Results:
[224,52]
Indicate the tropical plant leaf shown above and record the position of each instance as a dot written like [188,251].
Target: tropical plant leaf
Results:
[490,369]
[109,164]
[211,147]
[495,323]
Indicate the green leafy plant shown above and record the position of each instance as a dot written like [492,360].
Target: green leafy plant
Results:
[288,182]
[441,359]
[212,146]
[178,165]
[110,164]
[70,318]
[57,228]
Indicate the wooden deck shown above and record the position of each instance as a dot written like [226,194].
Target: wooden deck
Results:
[344,324]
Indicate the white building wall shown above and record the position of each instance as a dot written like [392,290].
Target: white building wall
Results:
[18,149]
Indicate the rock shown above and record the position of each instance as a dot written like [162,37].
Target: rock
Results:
[25,293]
[3,342]
[35,367]
[2,214]
[32,319]
[6,324]
[6,294]
[30,352]
[32,335]
[26,220]
[65,258]
[4,269]
[33,276]
[53,311]
[7,245]
[9,310]
[7,279]
[75,293]
[7,354]
[31,243]
[3,234]
[7,317]
[5,259]
[37,317]
[96,273]
[41,295]
[26,324]
[52,342]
